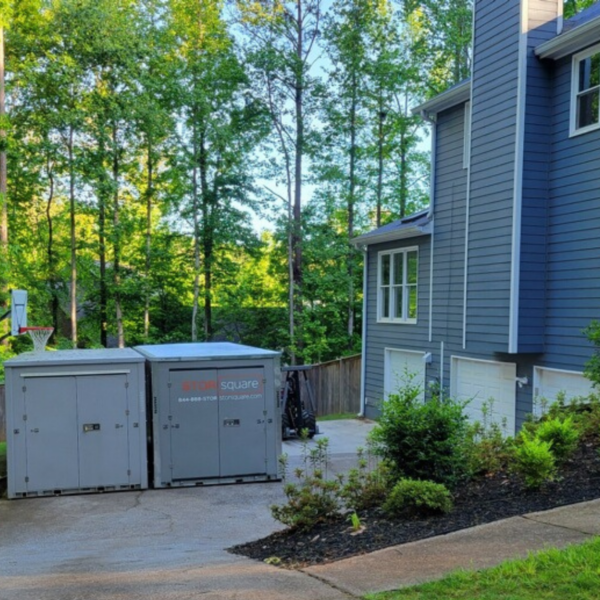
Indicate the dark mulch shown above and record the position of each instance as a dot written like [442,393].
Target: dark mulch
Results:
[480,501]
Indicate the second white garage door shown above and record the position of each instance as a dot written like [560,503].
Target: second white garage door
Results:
[478,381]
[549,383]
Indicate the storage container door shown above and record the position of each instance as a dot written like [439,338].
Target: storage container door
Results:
[51,430]
[103,430]
[193,423]
[243,443]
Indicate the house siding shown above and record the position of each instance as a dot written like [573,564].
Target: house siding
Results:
[573,286]
[493,138]
[403,336]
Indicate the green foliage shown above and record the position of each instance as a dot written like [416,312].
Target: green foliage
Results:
[422,440]
[561,434]
[6,352]
[367,485]
[592,367]
[313,498]
[487,447]
[2,459]
[534,461]
[417,498]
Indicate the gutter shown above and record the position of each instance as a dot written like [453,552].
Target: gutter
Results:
[570,41]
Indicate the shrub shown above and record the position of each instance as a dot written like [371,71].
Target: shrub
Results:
[417,498]
[313,498]
[422,440]
[367,485]
[561,434]
[534,461]
[592,367]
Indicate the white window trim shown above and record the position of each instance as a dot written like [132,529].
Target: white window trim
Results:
[577,58]
[405,320]
[467,136]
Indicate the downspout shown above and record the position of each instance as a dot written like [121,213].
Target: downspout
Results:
[363,362]
[425,116]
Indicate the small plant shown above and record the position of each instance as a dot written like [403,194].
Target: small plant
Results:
[418,498]
[355,520]
[534,461]
[422,440]
[368,484]
[561,434]
[313,498]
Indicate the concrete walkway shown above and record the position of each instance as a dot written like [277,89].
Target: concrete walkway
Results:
[170,544]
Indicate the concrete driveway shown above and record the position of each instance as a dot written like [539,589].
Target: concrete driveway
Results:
[167,544]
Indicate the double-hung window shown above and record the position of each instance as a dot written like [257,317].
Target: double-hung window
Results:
[397,289]
[585,95]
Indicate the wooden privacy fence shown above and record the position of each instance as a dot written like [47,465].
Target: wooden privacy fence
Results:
[336,385]
[2,414]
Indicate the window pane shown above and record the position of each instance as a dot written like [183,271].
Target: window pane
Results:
[385,303]
[588,109]
[398,268]
[589,72]
[398,303]
[412,267]
[412,302]
[385,269]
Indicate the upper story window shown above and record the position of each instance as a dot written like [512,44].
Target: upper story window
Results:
[397,288]
[585,94]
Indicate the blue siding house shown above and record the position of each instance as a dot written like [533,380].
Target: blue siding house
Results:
[487,292]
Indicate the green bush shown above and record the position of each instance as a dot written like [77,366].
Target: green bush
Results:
[417,498]
[312,498]
[561,434]
[367,485]
[534,461]
[422,440]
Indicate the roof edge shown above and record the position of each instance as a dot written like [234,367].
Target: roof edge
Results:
[570,41]
[461,92]
[368,239]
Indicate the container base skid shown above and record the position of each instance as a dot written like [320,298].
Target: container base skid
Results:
[73,491]
[218,481]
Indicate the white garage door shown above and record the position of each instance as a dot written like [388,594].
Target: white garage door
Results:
[479,381]
[400,363]
[549,383]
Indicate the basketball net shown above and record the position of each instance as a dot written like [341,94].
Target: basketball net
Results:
[39,335]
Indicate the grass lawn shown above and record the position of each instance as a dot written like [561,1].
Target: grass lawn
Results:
[572,574]
[2,459]
[337,417]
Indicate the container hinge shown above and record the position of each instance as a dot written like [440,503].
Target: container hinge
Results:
[127,412]
[24,388]
[16,431]
[126,384]
[26,479]
[264,413]
[155,405]
[24,417]
[128,472]
[169,384]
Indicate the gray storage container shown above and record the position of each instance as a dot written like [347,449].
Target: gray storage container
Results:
[215,413]
[76,422]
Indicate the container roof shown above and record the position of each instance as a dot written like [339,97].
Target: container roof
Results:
[203,351]
[76,357]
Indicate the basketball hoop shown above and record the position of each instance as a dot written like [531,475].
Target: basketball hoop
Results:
[39,335]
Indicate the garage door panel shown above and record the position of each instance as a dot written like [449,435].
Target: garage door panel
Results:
[550,383]
[400,364]
[483,382]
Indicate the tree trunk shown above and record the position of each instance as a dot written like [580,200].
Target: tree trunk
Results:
[380,139]
[299,151]
[117,240]
[72,227]
[351,201]
[3,195]
[148,265]
[207,239]
[195,210]
[52,279]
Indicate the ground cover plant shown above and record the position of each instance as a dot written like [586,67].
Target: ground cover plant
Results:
[500,477]
[550,575]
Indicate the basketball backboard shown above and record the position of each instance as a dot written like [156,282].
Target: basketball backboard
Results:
[18,311]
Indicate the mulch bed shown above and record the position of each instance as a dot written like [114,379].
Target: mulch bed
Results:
[480,501]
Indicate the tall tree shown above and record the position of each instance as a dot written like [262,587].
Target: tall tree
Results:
[282,37]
